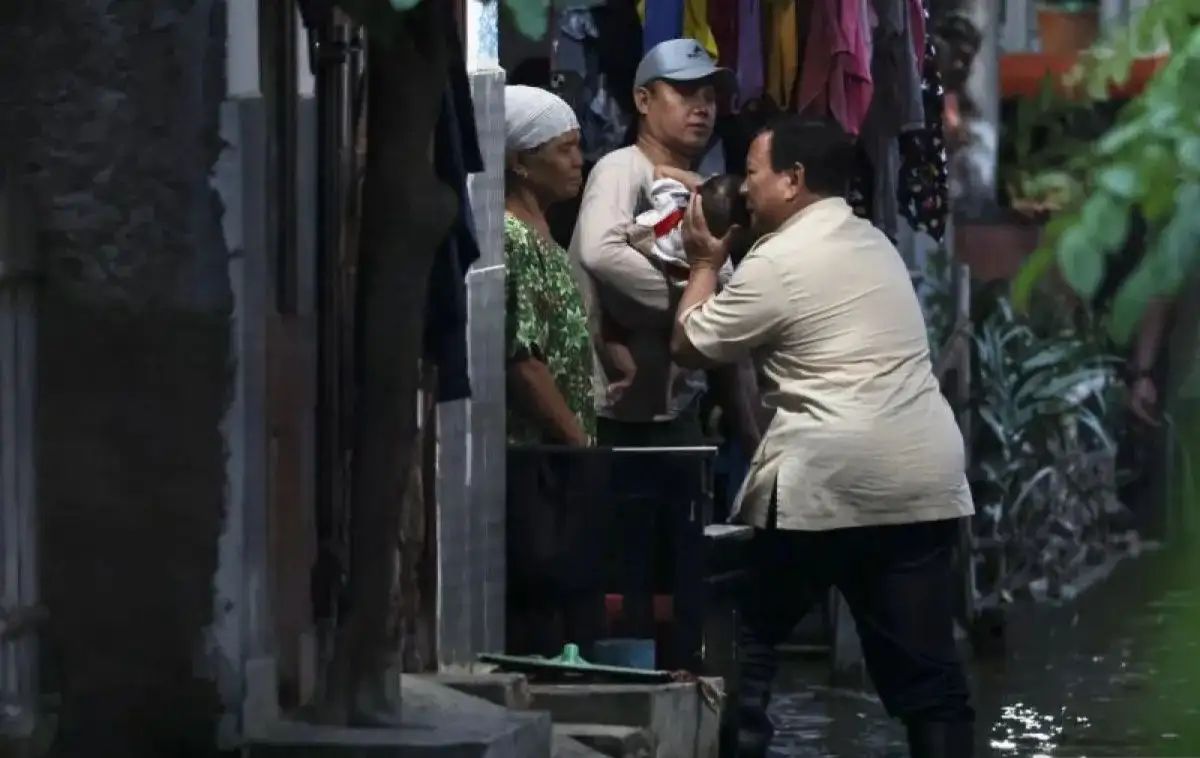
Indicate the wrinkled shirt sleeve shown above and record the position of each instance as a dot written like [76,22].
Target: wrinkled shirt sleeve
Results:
[625,276]
[744,315]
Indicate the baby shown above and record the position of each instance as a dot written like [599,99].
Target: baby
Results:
[658,235]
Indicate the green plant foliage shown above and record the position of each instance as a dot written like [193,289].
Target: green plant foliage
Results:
[1149,162]
[1042,398]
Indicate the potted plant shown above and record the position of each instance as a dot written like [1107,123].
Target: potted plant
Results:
[1066,27]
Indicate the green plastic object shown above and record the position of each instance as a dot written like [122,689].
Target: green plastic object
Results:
[570,664]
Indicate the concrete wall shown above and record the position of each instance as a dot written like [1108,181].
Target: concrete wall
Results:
[112,112]
[471,433]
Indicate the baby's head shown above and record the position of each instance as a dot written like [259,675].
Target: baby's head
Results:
[724,208]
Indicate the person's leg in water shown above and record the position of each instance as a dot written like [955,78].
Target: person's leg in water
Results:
[780,593]
[899,585]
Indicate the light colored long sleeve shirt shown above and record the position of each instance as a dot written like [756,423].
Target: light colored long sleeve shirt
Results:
[861,435]
[622,284]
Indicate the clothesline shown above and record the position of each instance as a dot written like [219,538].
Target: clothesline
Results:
[868,64]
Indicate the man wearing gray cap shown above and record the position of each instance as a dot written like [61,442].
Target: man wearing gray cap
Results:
[676,90]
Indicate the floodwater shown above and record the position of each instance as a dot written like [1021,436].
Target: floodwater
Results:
[1116,673]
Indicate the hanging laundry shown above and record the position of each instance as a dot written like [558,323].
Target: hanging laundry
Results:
[579,78]
[723,20]
[749,68]
[897,107]
[456,154]
[783,58]
[924,184]
[836,76]
[661,20]
[671,19]
[696,26]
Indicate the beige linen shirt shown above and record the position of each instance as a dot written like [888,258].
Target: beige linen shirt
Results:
[862,435]
[619,282]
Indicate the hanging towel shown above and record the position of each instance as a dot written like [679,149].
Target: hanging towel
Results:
[672,19]
[836,78]
[749,51]
[783,53]
[723,20]
[696,26]
[661,20]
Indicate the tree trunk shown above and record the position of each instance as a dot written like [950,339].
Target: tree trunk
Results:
[407,213]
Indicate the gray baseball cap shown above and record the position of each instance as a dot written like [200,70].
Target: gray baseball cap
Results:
[682,60]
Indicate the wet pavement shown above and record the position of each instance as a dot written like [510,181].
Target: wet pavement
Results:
[1116,673]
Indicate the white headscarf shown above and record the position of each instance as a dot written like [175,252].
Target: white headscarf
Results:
[533,117]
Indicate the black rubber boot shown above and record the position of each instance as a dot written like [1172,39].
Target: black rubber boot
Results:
[941,739]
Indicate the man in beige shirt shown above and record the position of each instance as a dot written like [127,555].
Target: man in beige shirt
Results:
[859,480]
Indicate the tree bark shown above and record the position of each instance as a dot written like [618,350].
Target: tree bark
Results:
[407,212]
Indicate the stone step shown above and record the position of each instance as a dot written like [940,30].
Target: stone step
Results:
[506,690]
[612,741]
[565,747]
[435,722]
[682,723]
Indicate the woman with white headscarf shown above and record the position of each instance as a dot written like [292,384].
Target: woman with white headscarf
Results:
[549,353]
[555,526]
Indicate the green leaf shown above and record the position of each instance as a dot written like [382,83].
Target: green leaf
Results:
[1120,137]
[1105,220]
[1121,180]
[1081,261]
[1189,154]
[1032,271]
[1130,302]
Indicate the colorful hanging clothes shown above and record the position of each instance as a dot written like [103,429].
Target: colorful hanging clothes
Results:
[924,184]
[750,75]
[836,77]
[671,19]
[696,26]
[783,55]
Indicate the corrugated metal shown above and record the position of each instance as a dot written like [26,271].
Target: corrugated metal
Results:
[472,433]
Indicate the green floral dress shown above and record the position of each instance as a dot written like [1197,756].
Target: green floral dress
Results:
[545,318]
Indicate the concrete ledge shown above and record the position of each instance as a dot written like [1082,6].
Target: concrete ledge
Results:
[505,690]
[681,722]
[435,722]
[613,741]
[565,747]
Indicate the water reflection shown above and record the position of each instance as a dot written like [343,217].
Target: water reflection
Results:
[1080,681]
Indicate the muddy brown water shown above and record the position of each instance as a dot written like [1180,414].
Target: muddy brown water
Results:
[1115,673]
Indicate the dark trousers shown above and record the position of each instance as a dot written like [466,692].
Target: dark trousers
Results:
[646,516]
[898,583]
[558,525]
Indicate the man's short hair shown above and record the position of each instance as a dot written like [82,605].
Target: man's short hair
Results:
[821,146]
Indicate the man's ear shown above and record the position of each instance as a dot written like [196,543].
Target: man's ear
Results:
[641,99]
[796,183]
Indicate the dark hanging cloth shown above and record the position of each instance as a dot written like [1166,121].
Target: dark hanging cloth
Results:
[456,154]
[723,20]
[861,193]
[923,192]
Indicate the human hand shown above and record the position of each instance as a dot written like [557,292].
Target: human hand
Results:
[689,179]
[703,249]
[1143,401]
